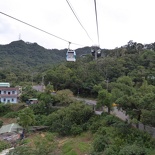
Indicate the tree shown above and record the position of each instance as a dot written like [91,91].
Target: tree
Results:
[105,99]
[132,150]
[64,97]
[49,89]
[40,145]
[28,93]
[70,120]
[26,118]
[100,143]
[138,101]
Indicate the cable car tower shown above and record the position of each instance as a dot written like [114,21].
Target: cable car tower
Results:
[71,54]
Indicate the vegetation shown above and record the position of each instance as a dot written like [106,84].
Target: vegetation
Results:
[3,145]
[124,76]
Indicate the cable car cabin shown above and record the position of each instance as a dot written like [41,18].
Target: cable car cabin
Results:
[71,55]
[96,50]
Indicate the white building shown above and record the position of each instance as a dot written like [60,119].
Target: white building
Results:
[8,94]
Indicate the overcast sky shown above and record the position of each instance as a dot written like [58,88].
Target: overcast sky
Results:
[119,21]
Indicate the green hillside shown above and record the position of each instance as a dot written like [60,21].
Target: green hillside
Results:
[20,55]
[27,56]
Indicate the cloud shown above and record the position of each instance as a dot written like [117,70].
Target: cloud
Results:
[119,21]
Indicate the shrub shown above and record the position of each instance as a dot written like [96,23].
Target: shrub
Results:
[4,145]
[132,150]
[1,123]
[11,115]
[100,143]
[76,129]
[4,109]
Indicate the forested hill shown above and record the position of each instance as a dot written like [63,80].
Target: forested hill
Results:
[31,56]
[24,55]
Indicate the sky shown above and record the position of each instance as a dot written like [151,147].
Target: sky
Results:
[118,22]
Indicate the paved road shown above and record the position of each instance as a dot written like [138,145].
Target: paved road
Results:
[120,114]
[115,111]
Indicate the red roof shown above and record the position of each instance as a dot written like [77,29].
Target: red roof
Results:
[9,88]
[7,95]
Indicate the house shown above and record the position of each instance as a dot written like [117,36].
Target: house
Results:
[11,132]
[32,101]
[9,94]
[40,88]
[10,128]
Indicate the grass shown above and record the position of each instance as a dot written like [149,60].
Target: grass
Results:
[8,120]
[79,145]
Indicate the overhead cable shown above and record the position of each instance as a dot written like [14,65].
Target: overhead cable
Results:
[39,29]
[96,22]
[78,19]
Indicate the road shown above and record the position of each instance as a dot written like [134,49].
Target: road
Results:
[120,114]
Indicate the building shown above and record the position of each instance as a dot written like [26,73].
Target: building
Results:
[9,94]
[32,101]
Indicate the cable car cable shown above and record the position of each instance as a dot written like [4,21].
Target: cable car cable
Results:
[96,22]
[78,19]
[38,28]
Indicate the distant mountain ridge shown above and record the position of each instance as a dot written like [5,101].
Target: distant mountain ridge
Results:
[25,55]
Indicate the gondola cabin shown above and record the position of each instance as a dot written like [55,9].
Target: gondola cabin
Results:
[71,55]
[95,50]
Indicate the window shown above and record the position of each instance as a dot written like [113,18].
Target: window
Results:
[12,100]
[8,93]
[4,99]
[0,91]
[4,92]
[13,92]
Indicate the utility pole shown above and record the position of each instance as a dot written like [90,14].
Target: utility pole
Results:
[107,84]
[42,83]
[32,79]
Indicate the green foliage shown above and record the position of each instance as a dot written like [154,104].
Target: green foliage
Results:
[4,109]
[100,143]
[4,145]
[67,148]
[70,120]
[111,150]
[40,119]
[130,74]
[28,93]
[96,123]
[76,129]
[1,123]
[49,89]
[64,97]
[132,150]
[80,144]
[26,118]
[45,97]
[148,117]
[28,56]
[42,108]
[105,99]
[11,115]
[112,136]
[41,145]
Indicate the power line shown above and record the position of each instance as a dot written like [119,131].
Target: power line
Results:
[38,28]
[78,19]
[97,22]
